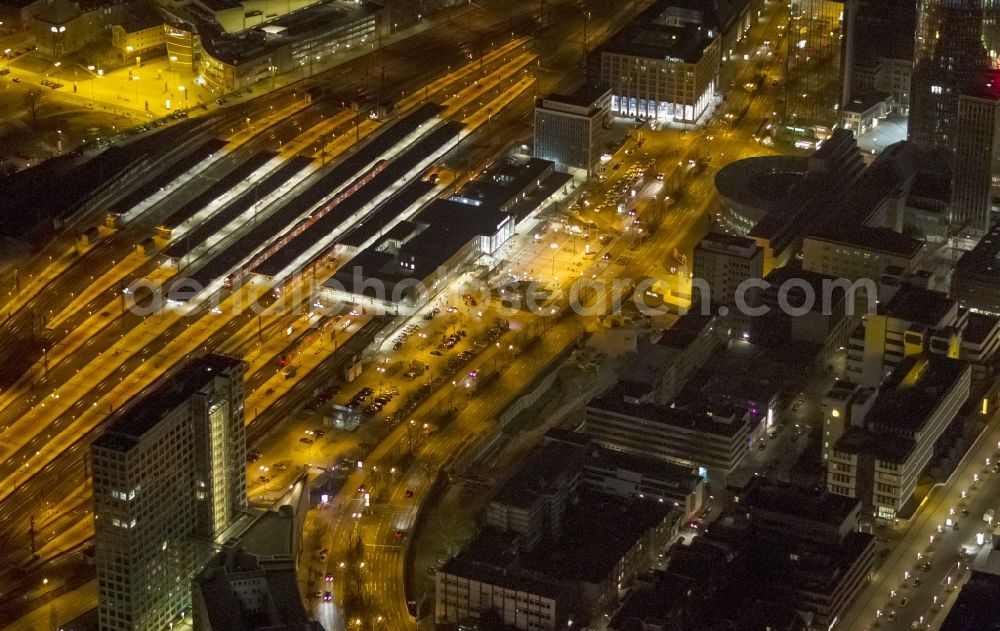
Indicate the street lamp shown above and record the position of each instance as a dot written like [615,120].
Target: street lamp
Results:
[184,92]
[554,246]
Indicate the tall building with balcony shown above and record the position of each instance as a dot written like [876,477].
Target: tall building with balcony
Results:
[169,476]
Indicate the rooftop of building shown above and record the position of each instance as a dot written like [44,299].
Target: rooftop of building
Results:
[864,100]
[977,607]
[885,447]
[913,391]
[881,240]
[606,527]
[490,558]
[761,182]
[745,371]
[141,18]
[811,568]
[431,237]
[984,259]
[649,36]
[130,423]
[540,474]
[980,327]
[688,328]
[729,243]
[920,306]
[793,279]
[252,43]
[268,536]
[841,390]
[722,421]
[648,467]
[796,501]
[586,96]
[495,188]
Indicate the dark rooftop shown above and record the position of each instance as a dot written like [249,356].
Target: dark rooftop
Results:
[726,421]
[688,328]
[598,531]
[920,306]
[913,392]
[141,414]
[984,259]
[782,497]
[539,474]
[977,607]
[886,447]
[490,558]
[647,36]
[979,327]
[586,96]
[876,239]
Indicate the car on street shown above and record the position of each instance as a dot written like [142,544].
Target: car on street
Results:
[408,493]
[399,534]
[327,596]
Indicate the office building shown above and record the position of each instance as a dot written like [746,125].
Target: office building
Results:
[665,362]
[975,283]
[664,65]
[844,405]
[878,55]
[169,476]
[712,441]
[810,310]
[948,58]
[814,66]
[723,262]
[533,502]
[627,475]
[910,321]
[534,587]
[880,457]
[806,546]
[569,130]
[977,157]
[142,35]
[252,583]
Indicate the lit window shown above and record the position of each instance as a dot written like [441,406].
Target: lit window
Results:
[936,89]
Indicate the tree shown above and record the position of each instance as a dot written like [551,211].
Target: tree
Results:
[32,102]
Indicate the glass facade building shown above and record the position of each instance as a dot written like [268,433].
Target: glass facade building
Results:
[814,62]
